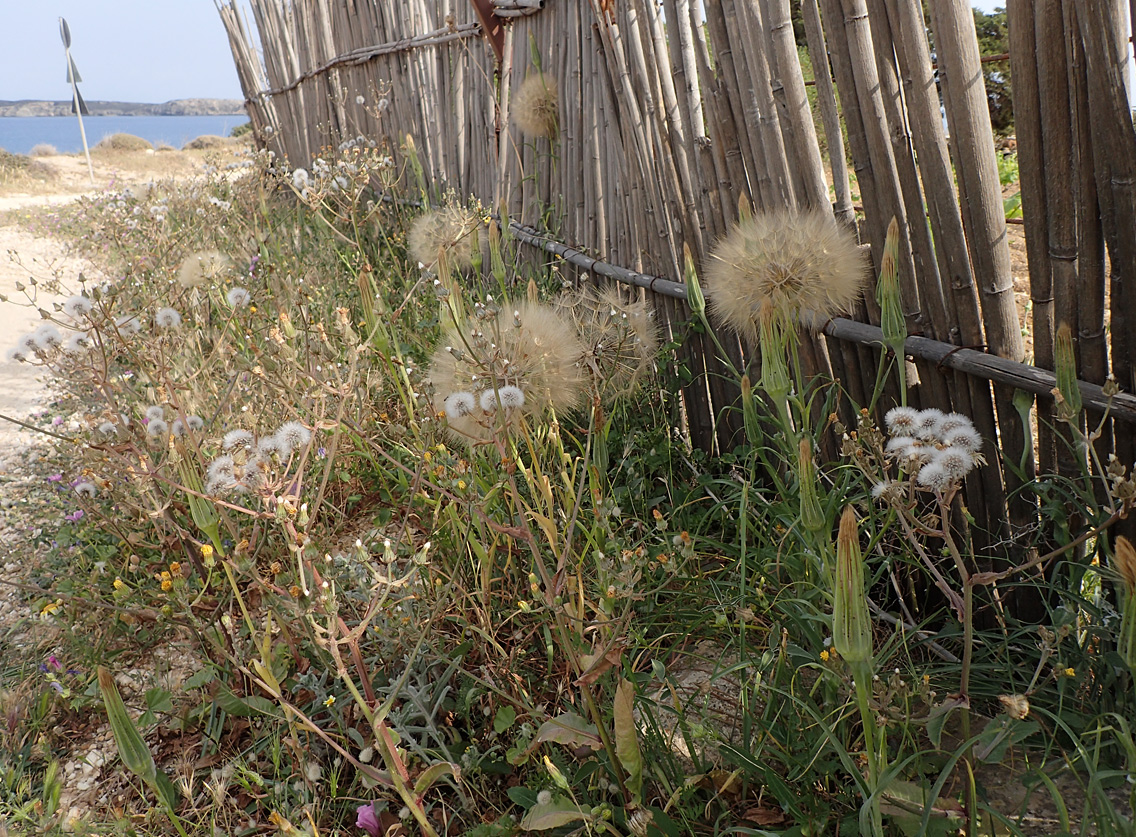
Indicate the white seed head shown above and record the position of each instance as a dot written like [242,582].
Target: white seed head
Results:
[459,405]
[901,421]
[167,318]
[238,297]
[155,413]
[236,438]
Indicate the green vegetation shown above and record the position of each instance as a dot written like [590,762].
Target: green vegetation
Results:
[529,605]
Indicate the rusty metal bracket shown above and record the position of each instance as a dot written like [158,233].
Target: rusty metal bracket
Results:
[491,25]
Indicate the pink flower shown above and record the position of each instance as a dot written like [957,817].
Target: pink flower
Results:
[54,477]
[367,818]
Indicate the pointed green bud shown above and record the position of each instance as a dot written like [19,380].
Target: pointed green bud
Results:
[892,323]
[749,413]
[694,297]
[812,515]
[851,625]
[1065,361]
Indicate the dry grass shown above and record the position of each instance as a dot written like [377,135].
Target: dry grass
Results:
[123,142]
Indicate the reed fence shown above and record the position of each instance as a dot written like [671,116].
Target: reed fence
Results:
[668,122]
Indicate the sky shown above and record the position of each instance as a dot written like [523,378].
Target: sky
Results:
[126,50]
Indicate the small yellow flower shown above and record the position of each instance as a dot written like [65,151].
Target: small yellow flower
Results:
[294,591]
[175,568]
[119,584]
[51,608]
[461,485]
[824,655]
[207,551]
[1069,672]
[167,585]
[252,309]
[330,701]
[427,456]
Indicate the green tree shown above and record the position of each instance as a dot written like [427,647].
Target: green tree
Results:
[994,39]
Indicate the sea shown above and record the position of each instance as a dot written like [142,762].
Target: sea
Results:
[19,134]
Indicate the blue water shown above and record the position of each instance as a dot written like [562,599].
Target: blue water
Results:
[19,133]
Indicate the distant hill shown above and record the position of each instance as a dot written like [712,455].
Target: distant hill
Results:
[177,107]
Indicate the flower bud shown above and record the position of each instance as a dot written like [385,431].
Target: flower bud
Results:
[851,626]
[694,298]
[1065,362]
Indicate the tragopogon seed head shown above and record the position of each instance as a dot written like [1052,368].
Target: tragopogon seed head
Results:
[155,412]
[238,297]
[236,438]
[448,234]
[786,265]
[536,106]
[157,428]
[167,318]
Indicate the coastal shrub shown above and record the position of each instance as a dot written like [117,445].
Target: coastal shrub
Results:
[19,170]
[206,142]
[244,129]
[43,149]
[123,142]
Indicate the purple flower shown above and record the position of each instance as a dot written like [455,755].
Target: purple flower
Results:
[58,420]
[75,516]
[367,818]
[54,477]
[53,661]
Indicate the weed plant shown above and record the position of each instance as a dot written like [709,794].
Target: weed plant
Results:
[449,568]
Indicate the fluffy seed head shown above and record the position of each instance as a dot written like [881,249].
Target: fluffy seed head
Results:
[107,428]
[128,325]
[18,354]
[78,342]
[199,268]
[954,421]
[458,405]
[901,420]
[928,423]
[237,297]
[966,438]
[86,489]
[787,265]
[292,435]
[620,339]
[236,438]
[157,428]
[178,428]
[532,346]
[536,106]
[957,462]
[269,445]
[222,466]
[77,306]
[898,445]
[444,235]
[934,476]
[47,337]
[194,423]
[167,318]
[155,413]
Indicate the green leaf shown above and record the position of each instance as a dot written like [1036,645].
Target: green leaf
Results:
[553,815]
[200,678]
[627,739]
[432,774]
[159,700]
[131,746]
[999,734]
[244,707]
[522,796]
[504,719]
[938,718]
[570,730]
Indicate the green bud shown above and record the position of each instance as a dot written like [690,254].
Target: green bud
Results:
[812,515]
[694,297]
[774,370]
[1065,361]
[851,626]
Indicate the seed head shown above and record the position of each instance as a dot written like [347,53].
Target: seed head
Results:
[47,337]
[966,438]
[934,476]
[957,462]
[77,306]
[786,265]
[157,428]
[236,438]
[619,337]
[292,435]
[199,268]
[238,297]
[155,413]
[86,489]
[901,421]
[445,235]
[78,342]
[167,318]
[536,106]
[458,405]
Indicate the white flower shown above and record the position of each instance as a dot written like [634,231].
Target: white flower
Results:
[236,438]
[238,297]
[155,413]
[167,318]
[459,405]
[901,421]
[934,476]
[157,428]
[107,428]
[47,336]
[966,438]
[956,461]
[292,435]
[86,489]
[300,179]
[77,306]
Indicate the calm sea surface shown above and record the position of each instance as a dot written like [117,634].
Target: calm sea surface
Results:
[19,133]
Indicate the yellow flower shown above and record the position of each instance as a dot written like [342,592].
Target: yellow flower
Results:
[1069,672]
[51,608]
[167,585]
[119,584]
[294,591]
[330,700]
[824,655]
[461,485]
[175,568]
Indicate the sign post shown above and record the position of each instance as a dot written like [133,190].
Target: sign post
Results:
[78,106]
